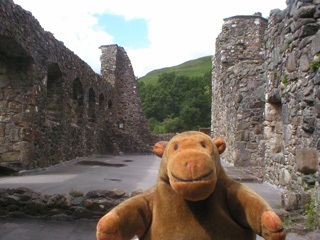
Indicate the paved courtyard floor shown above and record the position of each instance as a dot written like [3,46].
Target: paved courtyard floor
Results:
[123,172]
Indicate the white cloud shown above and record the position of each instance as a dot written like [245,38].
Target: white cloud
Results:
[178,30]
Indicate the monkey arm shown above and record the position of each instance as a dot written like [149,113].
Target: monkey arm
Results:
[251,211]
[130,218]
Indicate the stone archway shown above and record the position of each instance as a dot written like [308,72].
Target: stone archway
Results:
[77,106]
[54,101]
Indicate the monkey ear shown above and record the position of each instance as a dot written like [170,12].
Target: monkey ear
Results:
[221,144]
[159,147]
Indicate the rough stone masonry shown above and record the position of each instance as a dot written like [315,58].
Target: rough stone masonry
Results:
[53,106]
[266,95]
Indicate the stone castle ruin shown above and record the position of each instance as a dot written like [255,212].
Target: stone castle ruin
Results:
[265,103]
[266,94]
[53,106]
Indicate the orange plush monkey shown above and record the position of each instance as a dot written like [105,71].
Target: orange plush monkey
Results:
[193,199]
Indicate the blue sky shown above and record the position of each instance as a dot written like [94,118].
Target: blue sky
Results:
[155,34]
[132,34]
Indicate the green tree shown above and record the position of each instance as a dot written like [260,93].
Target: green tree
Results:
[177,103]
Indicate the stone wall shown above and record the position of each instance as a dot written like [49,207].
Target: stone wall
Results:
[24,202]
[292,125]
[128,117]
[238,89]
[277,83]
[53,106]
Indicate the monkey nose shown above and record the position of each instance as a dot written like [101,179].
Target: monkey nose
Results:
[191,165]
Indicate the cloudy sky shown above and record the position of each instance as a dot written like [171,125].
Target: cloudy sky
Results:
[154,33]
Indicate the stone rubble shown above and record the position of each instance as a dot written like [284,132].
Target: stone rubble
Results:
[24,202]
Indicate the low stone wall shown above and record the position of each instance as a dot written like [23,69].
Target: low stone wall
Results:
[24,202]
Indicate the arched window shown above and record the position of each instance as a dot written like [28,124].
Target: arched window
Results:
[92,106]
[101,102]
[109,104]
[77,97]
[54,102]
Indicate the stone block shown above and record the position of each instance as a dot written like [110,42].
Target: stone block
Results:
[304,63]
[258,129]
[307,160]
[317,13]
[81,212]
[36,207]
[316,79]
[290,200]
[10,156]
[243,158]
[76,193]
[308,30]
[60,201]
[308,124]
[317,110]
[284,177]
[243,126]
[291,63]
[299,23]
[315,45]
[305,12]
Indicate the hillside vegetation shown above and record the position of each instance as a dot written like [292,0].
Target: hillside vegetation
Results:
[192,68]
[175,102]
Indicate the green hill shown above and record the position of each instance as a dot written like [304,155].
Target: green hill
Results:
[197,67]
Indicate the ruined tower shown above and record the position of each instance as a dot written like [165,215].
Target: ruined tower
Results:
[266,96]
[128,116]
[238,88]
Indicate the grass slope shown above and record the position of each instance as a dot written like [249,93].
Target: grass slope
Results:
[192,68]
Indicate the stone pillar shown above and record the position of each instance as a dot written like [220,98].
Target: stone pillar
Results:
[109,62]
[238,89]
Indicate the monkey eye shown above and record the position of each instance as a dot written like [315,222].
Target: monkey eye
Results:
[176,147]
[203,145]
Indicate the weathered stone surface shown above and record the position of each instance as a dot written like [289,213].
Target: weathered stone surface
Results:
[291,63]
[97,194]
[307,160]
[81,212]
[305,12]
[285,177]
[308,30]
[309,179]
[57,206]
[62,108]
[60,201]
[36,207]
[10,156]
[290,58]
[317,110]
[290,200]
[304,63]
[301,22]
[116,193]
[274,96]
[76,193]
[308,124]
[243,126]
[242,158]
[315,45]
